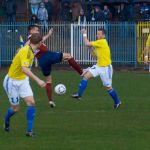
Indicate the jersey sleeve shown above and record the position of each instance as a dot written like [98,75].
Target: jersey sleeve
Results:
[43,47]
[95,44]
[148,42]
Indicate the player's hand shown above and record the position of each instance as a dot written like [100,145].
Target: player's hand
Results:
[50,32]
[146,59]
[84,31]
[41,83]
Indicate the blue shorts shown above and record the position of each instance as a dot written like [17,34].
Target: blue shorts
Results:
[47,59]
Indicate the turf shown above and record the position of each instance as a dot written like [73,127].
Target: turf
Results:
[88,124]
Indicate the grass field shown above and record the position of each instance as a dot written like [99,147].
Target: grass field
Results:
[89,124]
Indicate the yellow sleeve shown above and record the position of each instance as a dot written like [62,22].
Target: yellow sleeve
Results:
[95,44]
[148,42]
[25,61]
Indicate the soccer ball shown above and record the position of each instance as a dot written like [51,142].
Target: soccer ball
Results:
[60,89]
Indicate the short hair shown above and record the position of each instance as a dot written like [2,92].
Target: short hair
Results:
[30,27]
[103,30]
[35,38]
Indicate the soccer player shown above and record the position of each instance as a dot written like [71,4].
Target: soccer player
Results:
[46,58]
[103,67]
[16,83]
[147,50]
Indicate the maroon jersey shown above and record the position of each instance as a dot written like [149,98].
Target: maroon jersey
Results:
[41,50]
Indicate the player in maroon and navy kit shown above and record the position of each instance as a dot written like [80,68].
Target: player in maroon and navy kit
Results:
[46,58]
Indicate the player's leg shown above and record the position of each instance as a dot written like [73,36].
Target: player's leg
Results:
[114,96]
[45,62]
[83,83]
[30,114]
[26,93]
[49,90]
[72,63]
[10,112]
[106,77]
[13,95]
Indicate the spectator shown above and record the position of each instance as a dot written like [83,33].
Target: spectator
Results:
[66,12]
[43,16]
[88,13]
[145,11]
[98,14]
[107,13]
[34,4]
[76,7]
[82,17]
[135,13]
[10,8]
[34,19]
[50,9]
[124,14]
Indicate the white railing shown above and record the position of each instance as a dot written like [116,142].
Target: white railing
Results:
[68,38]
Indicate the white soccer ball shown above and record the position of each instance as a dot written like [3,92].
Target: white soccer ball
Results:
[60,89]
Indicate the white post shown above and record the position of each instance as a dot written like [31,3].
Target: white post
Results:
[71,40]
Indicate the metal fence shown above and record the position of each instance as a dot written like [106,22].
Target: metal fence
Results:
[121,36]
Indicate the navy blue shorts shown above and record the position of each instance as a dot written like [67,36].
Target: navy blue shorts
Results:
[47,59]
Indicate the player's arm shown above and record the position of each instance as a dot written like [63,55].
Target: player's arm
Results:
[147,49]
[50,32]
[92,52]
[29,73]
[86,40]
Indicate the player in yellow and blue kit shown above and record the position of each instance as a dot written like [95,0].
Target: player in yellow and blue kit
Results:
[103,67]
[16,83]
[147,50]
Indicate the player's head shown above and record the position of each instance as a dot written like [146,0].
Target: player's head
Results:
[36,39]
[33,29]
[101,33]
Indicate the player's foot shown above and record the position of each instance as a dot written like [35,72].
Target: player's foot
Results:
[6,126]
[30,134]
[116,106]
[76,96]
[52,104]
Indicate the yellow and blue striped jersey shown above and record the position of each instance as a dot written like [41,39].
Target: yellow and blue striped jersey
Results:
[102,52]
[24,57]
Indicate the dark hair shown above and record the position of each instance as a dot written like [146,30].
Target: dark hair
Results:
[30,27]
[35,38]
[103,30]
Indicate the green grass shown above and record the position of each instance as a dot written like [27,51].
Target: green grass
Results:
[89,124]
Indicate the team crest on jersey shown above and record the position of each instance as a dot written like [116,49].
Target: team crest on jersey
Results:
[26,63]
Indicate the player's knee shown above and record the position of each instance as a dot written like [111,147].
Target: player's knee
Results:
[15,108]
[30,103]
[109,88]
[66,56]
[48,79]
[87,76]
